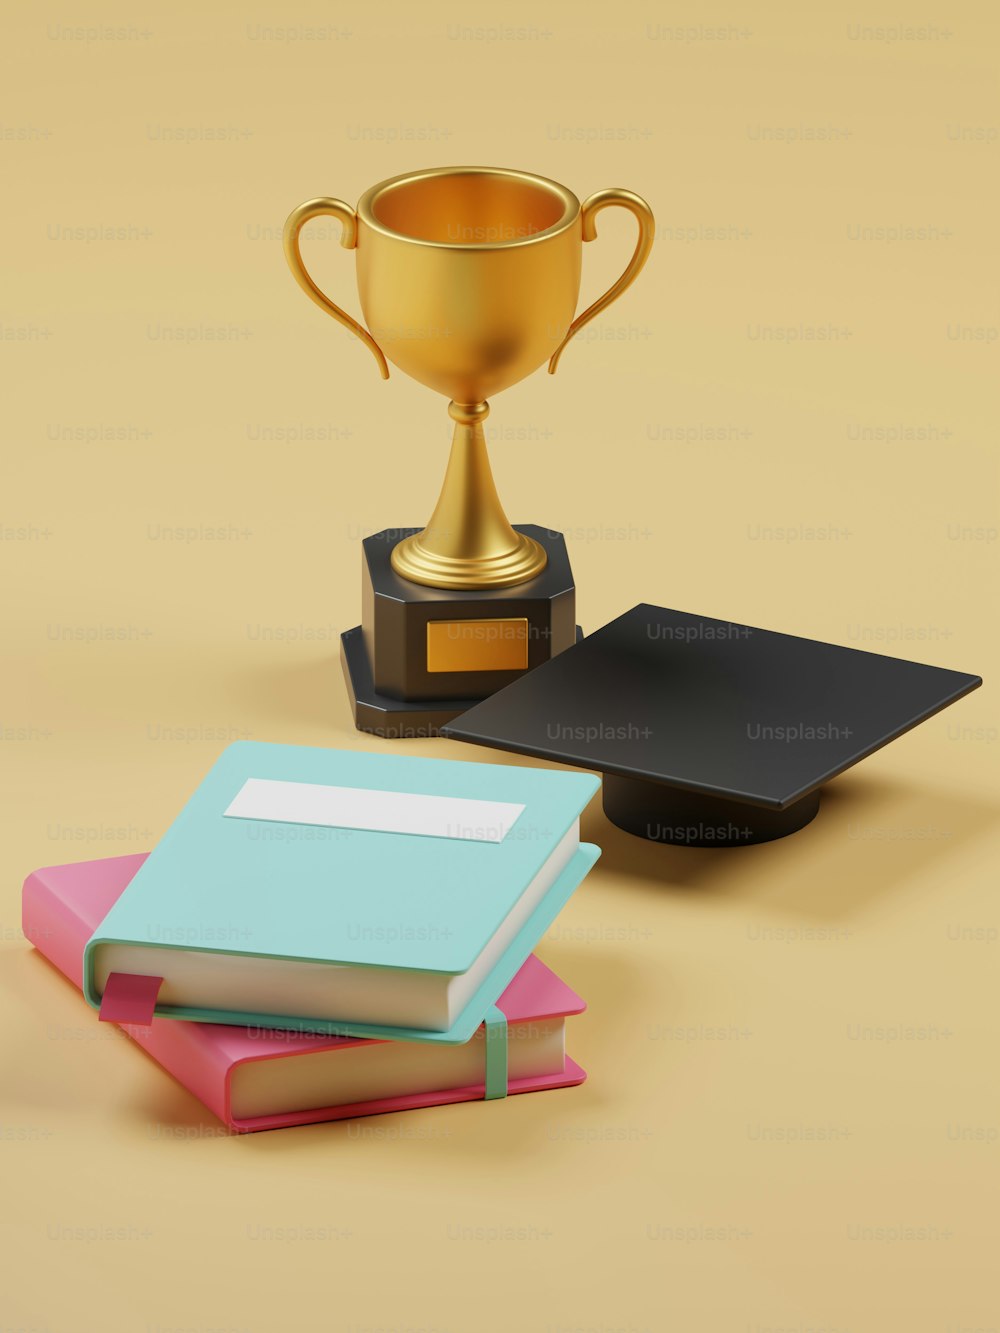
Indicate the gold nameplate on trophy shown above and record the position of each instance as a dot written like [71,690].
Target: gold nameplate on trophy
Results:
[478,645]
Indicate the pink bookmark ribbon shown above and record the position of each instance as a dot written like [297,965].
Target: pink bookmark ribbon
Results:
[129,998]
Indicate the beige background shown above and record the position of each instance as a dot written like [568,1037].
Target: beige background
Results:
[792,1118]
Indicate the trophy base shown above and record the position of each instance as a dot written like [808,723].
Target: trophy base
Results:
[423,655]
[685,818]
[393,719]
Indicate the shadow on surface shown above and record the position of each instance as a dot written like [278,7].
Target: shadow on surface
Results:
[303,693]
[870,835]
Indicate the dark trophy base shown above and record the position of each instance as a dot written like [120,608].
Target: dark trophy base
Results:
[710,733]
[394,719]
[421,656]
[695,819]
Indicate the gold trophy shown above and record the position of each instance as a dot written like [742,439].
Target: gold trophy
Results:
[468,279]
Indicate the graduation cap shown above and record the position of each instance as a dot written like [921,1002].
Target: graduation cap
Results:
[709,733]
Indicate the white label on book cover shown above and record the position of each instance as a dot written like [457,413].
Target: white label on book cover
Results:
[378,811]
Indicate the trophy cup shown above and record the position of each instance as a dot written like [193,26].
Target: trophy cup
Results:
[468,279]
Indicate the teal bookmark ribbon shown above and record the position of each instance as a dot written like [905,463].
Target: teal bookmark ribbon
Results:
[496,1054]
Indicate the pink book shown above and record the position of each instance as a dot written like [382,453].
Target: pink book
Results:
[256,1078]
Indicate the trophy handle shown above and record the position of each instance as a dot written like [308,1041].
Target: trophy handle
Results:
[336,208]
[589,210]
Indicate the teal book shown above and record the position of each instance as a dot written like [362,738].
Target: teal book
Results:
[354,894]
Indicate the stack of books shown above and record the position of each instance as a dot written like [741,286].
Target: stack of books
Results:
[324,933]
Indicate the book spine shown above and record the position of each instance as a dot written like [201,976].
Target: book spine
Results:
[52,927]
[186,1050]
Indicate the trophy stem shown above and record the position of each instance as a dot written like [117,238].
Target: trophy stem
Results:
[468,542]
